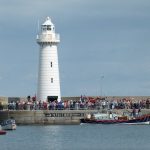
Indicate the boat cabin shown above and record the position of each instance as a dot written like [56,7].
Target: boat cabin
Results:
[105,116]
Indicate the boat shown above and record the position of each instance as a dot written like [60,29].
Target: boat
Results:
[8,124]
[2,132]
[112,118]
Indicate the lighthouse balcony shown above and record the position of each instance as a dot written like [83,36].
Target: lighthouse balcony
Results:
[48,38]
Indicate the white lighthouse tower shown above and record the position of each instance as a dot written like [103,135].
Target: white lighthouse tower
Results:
[48,75]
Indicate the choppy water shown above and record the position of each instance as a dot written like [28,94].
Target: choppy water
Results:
[77,137]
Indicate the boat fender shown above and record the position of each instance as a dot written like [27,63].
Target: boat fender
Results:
[116,117]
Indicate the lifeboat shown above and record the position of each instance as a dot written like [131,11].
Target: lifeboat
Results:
[110,118]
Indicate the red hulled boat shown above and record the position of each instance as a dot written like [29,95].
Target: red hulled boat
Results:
[110,118]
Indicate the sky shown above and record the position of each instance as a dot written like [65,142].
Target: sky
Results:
[104,48]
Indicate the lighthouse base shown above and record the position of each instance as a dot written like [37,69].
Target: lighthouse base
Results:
[52,98]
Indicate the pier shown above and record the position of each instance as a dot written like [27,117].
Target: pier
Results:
[24,111]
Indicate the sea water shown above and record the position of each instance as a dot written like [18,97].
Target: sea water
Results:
[77,137]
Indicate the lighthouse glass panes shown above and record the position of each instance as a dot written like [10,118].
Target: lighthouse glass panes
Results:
[48,74]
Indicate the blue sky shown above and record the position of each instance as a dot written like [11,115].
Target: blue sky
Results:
[109,38]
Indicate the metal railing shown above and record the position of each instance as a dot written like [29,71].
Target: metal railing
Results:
[48,38]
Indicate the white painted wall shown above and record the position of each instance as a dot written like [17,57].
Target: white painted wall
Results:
[48,65]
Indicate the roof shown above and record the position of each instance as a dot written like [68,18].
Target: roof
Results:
[47,22]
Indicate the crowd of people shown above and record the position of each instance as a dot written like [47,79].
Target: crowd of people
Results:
[82,103]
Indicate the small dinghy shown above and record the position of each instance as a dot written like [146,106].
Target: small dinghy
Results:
[8,124]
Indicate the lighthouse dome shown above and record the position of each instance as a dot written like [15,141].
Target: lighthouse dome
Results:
[47,22]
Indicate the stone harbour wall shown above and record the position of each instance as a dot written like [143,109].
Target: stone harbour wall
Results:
[44,116]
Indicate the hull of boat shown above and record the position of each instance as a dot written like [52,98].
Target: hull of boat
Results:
[2,132]
[9,127]
[139,123]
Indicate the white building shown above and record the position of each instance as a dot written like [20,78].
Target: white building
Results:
[48,75]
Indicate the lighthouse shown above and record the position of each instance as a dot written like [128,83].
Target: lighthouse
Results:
[48,72]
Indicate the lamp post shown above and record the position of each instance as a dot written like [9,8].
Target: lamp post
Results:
[102,77]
